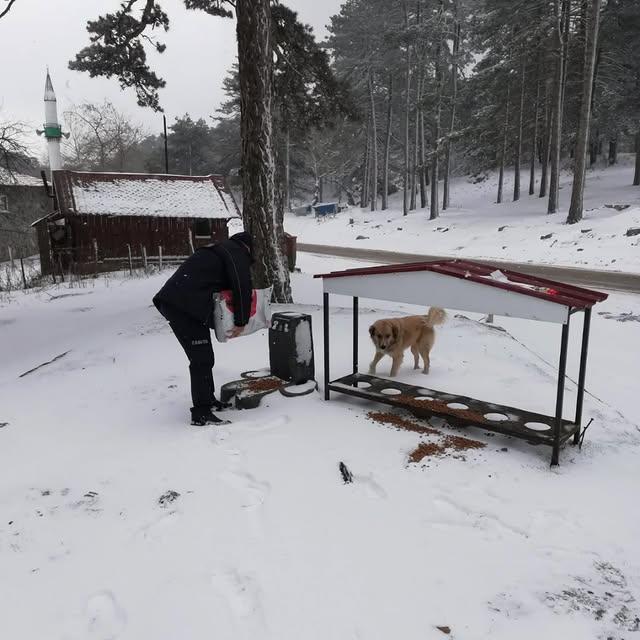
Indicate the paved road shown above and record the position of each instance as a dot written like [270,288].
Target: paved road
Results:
[592,278]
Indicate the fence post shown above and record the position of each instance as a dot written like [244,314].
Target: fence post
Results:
[95,258]
[144,257]
[160,257]
[191,242]
[13,266]
[24,279]
[61,269]
[130,260]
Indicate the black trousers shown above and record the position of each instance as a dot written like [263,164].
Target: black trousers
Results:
[195,339]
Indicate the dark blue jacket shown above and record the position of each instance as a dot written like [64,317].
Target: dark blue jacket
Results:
[226,265]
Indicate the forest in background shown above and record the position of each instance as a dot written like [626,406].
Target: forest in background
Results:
[404,94]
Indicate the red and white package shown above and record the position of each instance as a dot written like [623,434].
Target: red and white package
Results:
[259,316]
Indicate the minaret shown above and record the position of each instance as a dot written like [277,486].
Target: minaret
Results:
[52,129]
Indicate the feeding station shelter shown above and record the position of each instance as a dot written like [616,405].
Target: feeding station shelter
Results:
[473,287]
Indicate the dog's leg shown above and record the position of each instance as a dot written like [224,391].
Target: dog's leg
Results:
[397,361]
[416,357]
[374,363]
[427,360]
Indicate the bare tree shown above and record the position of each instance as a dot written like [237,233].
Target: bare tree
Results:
[102,138]
[14,152]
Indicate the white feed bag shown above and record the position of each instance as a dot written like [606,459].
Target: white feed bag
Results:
[259,316]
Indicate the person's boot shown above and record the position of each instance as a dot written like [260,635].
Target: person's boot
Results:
[204,417]
[218,405]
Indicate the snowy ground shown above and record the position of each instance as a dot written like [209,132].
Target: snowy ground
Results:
[264,541]
[476,227]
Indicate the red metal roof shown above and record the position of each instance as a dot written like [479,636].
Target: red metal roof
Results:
[491,276]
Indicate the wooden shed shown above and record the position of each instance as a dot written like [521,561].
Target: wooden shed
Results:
[101,220]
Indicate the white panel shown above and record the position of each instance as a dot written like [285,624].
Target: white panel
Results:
[428,288]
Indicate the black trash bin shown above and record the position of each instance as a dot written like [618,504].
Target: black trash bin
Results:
[291,347]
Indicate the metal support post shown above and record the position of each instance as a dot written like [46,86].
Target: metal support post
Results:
[586,327]
[327,377]
[562,369]
[355,336]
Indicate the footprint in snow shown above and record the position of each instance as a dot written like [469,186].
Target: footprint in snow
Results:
[254,492]
[106,619]
[242,597]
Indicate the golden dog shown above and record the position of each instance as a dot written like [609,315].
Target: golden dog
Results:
[393,336]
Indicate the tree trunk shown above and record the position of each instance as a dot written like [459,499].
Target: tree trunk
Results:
[423,166]
[416,145]
[287,178]
[452,119]
[255,59]
[556,120]
[505,137]
[405,185]
[546,143]
[374,148]
[387,147]
[534,137]
[364,194]
[636,176]
[516,181]
[582,139]
[435,203]
[613,151]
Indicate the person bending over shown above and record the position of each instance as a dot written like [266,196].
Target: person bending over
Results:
[186,301]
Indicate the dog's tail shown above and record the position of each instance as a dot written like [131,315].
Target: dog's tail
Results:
[435,316]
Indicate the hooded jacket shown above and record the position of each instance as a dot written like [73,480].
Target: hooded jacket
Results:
[214,268]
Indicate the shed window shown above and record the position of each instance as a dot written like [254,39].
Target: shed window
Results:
[4,203]
[202,228]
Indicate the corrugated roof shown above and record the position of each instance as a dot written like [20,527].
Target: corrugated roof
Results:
[141,194]
[491,276]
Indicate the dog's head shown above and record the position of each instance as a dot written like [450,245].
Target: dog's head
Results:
[384,334]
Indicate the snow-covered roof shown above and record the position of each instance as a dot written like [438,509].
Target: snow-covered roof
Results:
[12,178]
[142,194]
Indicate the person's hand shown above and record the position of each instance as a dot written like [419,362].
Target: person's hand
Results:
[235,332]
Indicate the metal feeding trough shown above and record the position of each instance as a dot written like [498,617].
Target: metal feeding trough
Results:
[475,287]
[248,392]
[292,369]
[455,409]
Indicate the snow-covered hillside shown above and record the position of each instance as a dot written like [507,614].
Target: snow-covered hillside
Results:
[118,521]
[476,227]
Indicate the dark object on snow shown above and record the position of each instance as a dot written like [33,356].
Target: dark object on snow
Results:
[582,435]
[634,231]
[291,347]
[168,497]
[255,385]
[585,230]
[445,629]
[44,364]
[326,209]
[291,250]
[502,228]
[347,476]
[617,207]
[546,237]
[204,417]
[362,237]
[3,424]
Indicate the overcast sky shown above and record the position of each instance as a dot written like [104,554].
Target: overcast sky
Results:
[200,49]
